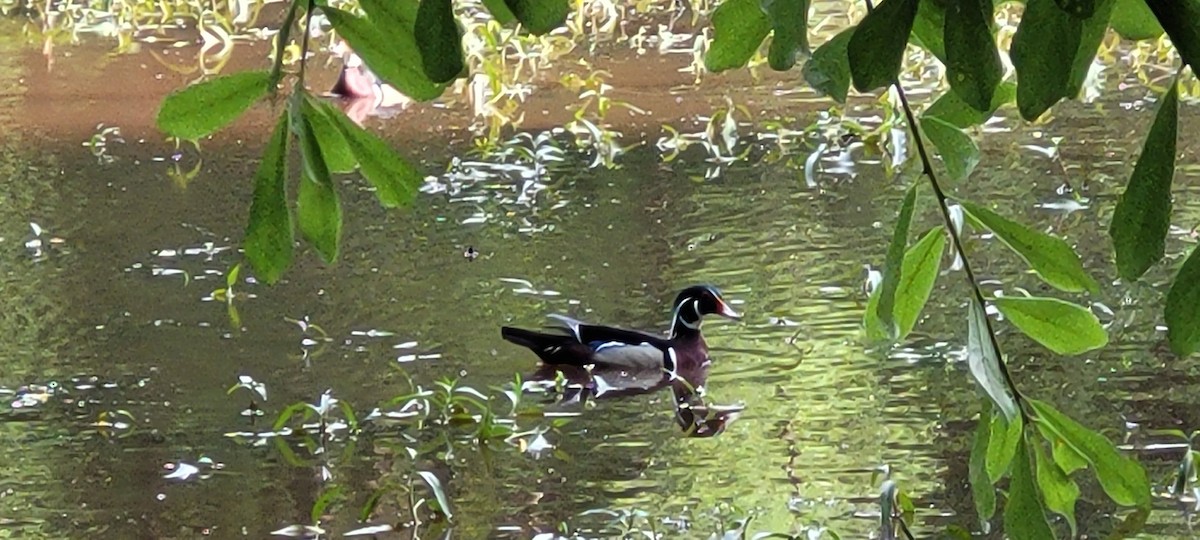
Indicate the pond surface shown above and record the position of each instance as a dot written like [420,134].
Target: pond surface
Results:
[111,320]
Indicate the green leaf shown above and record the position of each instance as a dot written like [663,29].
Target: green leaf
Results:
[920,271]
[1095,26]
[333,494]
[1058,490]
[368,508]
[1043,77]
[1065,456]
[383,13]
[394,179]
[337,153]
[1143,215]
[500,11]
[1080,9]
[231,278]
[320,214]
[202,108]
[1122,478]
[893,266]
[1061,326]
[1170,432]
[317,205]
[981,485]
[927,30]
[539,16]
[789,22]
[312,159]
[877,47]
[1181,20]
[958,150]
[739,27]
[269,237]
[828,71]
[955,532]
[440,41]
[951,107]
[973,65]
[1053,260]
[389,49]
[984,364]
[1003,438]
[1131,524]
[1134,20]
[439,492]
[1023,514]
[1183,307]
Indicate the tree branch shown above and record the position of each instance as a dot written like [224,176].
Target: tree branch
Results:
[956,240]
[927,170]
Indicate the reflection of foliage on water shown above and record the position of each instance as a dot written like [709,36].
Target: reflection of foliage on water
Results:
[511,184]
[422,434]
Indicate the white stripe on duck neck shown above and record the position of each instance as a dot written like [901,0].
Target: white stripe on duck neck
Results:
[678,319]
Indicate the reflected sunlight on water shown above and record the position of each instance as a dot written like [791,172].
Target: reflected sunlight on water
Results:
[117,319]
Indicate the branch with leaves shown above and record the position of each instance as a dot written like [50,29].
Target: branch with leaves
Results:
[1026,440]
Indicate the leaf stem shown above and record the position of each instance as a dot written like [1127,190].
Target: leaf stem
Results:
[308,11]
[282,36]
[927,170]
[904,528]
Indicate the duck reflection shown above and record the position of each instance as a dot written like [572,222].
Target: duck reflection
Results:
[693,413]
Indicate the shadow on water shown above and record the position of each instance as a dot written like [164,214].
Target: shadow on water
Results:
[118,362]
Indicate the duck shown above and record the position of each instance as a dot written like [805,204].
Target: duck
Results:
[591,346]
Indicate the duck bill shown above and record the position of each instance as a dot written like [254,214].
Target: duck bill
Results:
[724,310]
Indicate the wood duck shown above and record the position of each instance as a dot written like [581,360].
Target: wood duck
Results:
[605,347]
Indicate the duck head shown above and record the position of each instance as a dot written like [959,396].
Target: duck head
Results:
[693,303]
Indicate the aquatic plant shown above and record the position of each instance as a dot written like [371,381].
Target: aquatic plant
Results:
[229,295]
[254,388]
[1185,473]
[428,423]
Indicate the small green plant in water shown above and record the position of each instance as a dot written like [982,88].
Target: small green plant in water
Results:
[1185,473]
[255,389]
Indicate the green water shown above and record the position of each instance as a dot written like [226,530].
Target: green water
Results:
[104,320]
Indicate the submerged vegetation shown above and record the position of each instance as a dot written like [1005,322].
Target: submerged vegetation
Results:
[991,56]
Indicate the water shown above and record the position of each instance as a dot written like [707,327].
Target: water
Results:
[110,317]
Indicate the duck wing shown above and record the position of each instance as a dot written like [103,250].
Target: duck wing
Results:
[593,333]
[554,349]
[583,344]
[637,357]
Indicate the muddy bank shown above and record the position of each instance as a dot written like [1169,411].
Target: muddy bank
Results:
[65,92]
